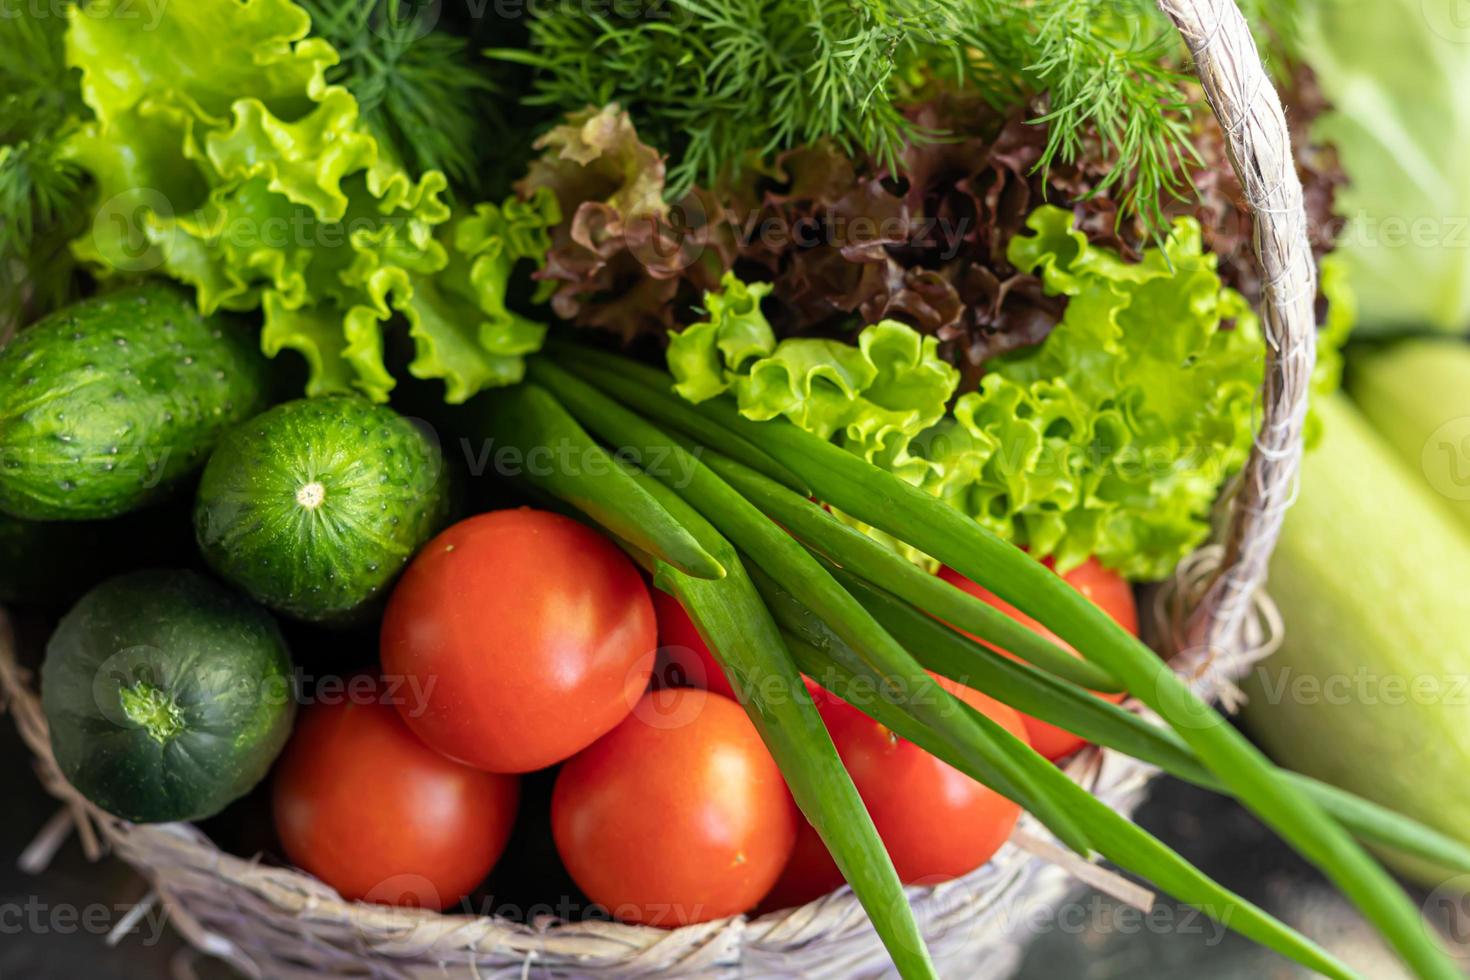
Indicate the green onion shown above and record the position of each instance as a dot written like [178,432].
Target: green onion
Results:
[850,548]
[784,558]
[1122,841]
[576,359]
[1035,693]
[749,648]
[1009,766]
[877,497]
[527,419]
[880,499]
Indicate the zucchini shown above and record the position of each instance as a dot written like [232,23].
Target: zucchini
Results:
[1371,689]
[1417,395]
[107,404]
[167,696]
[315,506]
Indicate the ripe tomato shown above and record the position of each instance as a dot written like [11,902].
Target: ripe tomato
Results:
[1108,590]
[936,822]
[679,815]
[365,806]
[530,635]
[684,658]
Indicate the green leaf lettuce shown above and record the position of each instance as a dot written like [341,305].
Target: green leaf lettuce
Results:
[1111,438]
[225,159]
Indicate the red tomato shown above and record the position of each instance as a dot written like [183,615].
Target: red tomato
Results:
[679,815]
[1108,590]
[936,822]
[368,808]
[809,874]
[530,635]
[684,658]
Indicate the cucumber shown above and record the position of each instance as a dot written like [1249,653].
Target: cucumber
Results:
[315,506]
[1416,394]
[107,404]
[167,696]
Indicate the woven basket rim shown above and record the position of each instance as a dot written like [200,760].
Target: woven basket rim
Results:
[1208,624]
[151,847]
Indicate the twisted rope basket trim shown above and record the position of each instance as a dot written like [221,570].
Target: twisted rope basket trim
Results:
[1213,620]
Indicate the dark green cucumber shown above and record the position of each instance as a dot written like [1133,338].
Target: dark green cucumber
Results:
[314,506]
[167,695]
[106,404]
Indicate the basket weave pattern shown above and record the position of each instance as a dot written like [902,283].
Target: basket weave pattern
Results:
[280,923]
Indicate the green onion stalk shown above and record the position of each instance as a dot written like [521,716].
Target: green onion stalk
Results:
[778,587]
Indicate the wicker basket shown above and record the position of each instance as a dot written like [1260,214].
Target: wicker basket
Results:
[278,923]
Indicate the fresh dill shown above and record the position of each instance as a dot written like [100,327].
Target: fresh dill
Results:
[421,89]
[43,194]
[713,82]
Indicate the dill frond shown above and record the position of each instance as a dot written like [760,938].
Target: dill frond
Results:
[421,91]
[43,195]
[713,82]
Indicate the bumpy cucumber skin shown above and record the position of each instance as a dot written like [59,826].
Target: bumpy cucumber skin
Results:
[383,493]
[220,658]
[105,405]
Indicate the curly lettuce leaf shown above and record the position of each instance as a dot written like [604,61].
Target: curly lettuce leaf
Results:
[596,154]
[1111,438]
[225,159]
[735,333]
[462,330]
[873,397]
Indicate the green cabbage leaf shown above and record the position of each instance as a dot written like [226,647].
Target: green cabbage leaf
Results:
[1397,73]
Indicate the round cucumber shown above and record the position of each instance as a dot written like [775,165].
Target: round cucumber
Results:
[167,696]
[107,404]
[314,506]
